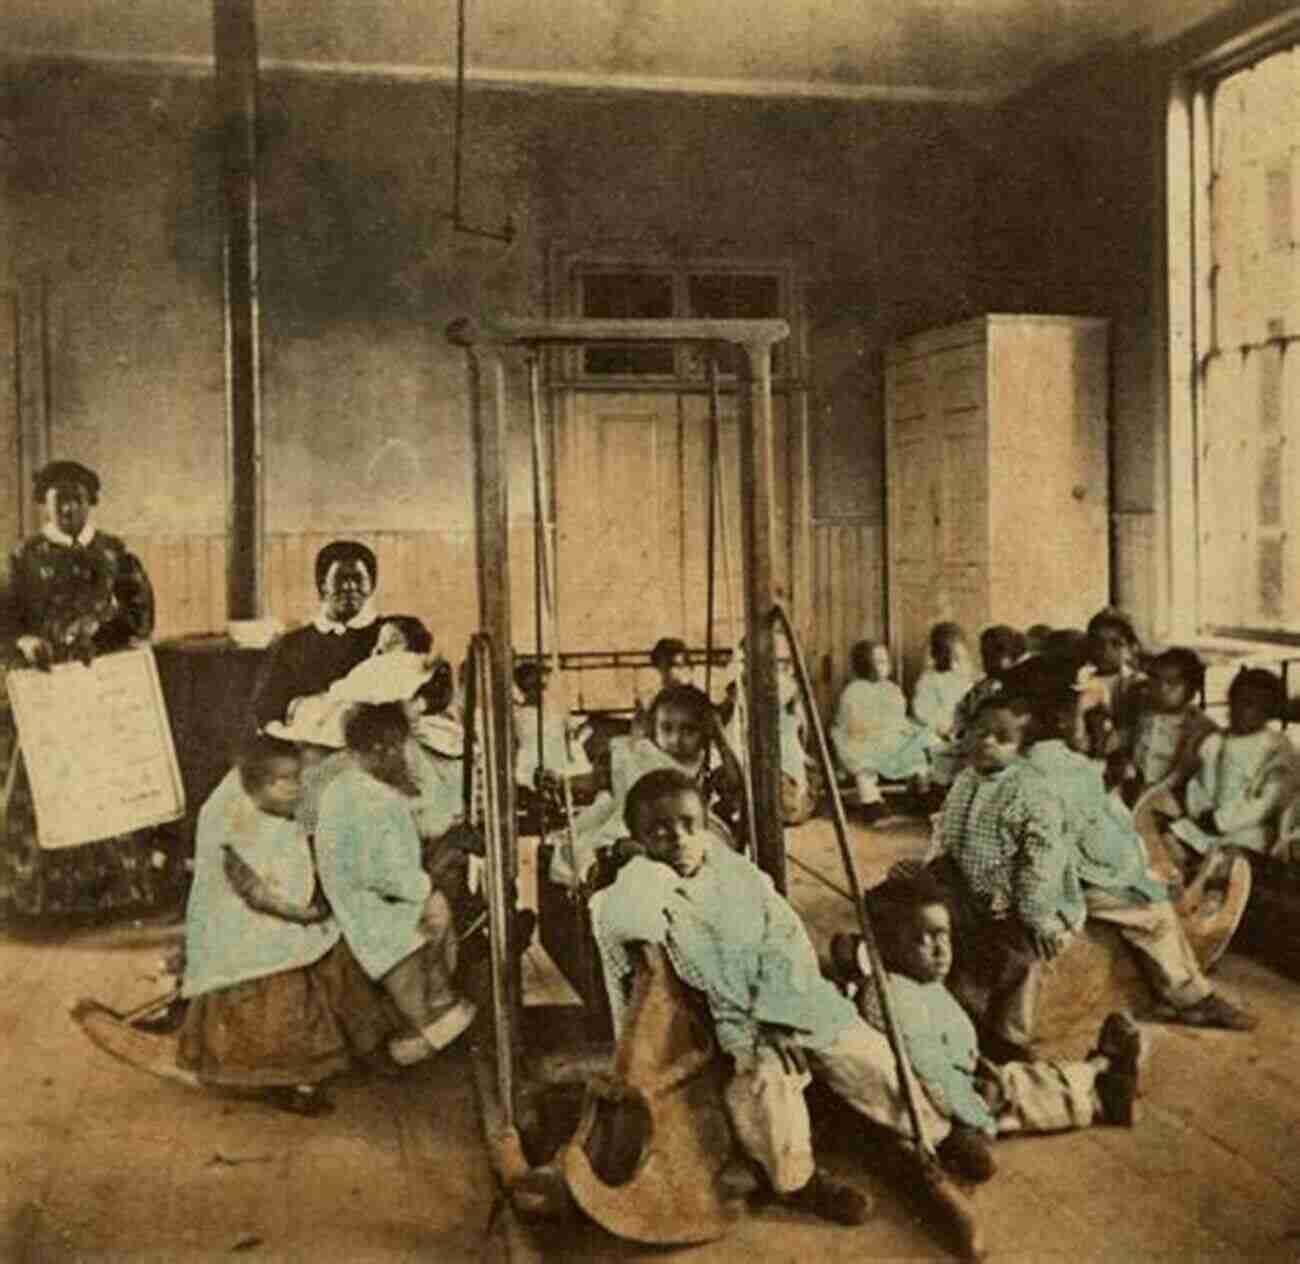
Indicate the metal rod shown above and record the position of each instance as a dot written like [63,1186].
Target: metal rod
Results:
[712,525]
[234,25]
[906,1077]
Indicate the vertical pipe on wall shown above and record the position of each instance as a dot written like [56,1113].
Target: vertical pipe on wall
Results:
[234,25]
[757,490]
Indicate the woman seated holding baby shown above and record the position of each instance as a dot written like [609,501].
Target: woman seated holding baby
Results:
[346,630]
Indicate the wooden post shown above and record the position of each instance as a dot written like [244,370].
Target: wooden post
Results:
[757,484]
[234,24]
[490,423]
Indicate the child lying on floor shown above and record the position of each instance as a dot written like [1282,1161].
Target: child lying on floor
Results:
[913,921]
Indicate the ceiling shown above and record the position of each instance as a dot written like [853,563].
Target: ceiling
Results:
[972,50]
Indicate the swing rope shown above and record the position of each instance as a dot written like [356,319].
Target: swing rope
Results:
[544,594]
[717,496]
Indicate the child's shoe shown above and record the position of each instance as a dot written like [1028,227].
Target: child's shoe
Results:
[1213,1011]
[966,1153]
[1122,1043]
[846,965]
[830,1200]
[443,1031]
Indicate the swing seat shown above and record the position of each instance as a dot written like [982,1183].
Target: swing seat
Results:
[1098,972]
[648,1157]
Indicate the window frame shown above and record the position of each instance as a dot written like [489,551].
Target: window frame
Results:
[1191,317]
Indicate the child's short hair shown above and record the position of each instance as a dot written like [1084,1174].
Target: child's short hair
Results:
[418,638]
[438,691]
[1036,635]
[999,643]
[529,672]
[1003,700]
[1110,617]
[256,757]
[896,901]
[1262,685]
[862,658]
[944,639]
[1187,663]
[665,650]
[372,725]
[694,701]
[654,786]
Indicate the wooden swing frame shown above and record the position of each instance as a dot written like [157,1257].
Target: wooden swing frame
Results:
[493,345]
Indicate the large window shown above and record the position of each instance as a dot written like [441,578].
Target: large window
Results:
[1238,345]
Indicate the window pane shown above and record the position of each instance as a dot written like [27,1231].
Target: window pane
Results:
[627,296]
[733,296]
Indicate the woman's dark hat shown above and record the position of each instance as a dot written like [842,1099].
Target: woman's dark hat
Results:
[345,551]
[57,473]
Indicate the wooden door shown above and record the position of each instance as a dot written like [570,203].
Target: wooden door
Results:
[632,474]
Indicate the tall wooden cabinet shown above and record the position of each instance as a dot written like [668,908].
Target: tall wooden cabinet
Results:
[996,477]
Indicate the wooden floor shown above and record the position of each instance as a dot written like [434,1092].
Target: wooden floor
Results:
[101,1162]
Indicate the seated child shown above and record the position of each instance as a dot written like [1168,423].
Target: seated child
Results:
[1244,777]
[912,918]
[732,937]
[1001,648]
[557,750]
[276,999]
[668,656]
[1110,858]
[1036,638]
[872,734]
[685,733]
[368,850]
[1114,652]
[1015,880]
[939,688]
[1169,729]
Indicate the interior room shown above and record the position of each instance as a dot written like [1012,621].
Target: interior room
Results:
[915,188]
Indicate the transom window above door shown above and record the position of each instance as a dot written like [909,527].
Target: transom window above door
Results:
[703,291]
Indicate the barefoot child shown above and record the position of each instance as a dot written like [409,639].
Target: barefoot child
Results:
[732,937]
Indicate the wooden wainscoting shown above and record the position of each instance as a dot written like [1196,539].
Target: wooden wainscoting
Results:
[848,600]
[426,573]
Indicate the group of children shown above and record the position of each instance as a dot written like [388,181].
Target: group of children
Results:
[332,884]
[1036,838]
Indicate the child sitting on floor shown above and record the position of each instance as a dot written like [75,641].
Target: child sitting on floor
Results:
[732,937]
[1244,777]
[912,917]
[1170,728]
[939,688]
[1114,652]
[684,733]
[872,734]
[1001,647]
[368,851]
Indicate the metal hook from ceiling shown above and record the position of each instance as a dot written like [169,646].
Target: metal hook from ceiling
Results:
[507,232]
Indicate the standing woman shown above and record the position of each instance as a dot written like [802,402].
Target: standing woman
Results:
[75,591]
[309,659]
